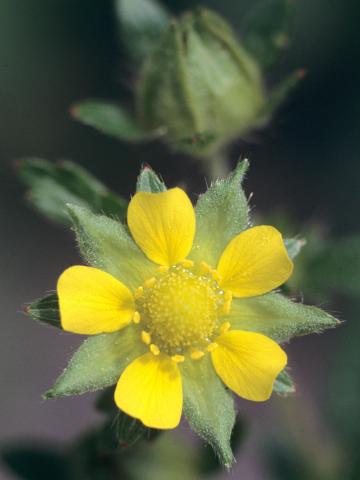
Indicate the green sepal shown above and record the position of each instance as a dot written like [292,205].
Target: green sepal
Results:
[45,310]
[266,30]
[221,213]
[278,317]
[148,181]
[52,186]
[141,23]
[98,363]
[108,118]
[294,246]
[284,385]
[106,244]
[209,407]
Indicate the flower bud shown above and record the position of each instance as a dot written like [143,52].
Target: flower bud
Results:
[199,85]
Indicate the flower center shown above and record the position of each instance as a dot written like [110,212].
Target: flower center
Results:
[180,309]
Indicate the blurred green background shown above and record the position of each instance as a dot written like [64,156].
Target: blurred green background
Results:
[305,178]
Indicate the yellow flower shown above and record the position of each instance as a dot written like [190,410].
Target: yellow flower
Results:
[182,311]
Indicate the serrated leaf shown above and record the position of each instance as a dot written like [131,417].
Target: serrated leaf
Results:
[35,463]
[108,118]
[278,317]
[266,30]
[209,407]
[52,186]
[294,246]
[141,23]
[284,384]
[221,213]
[148,181]
[98,363]
[106,244]
[45,310]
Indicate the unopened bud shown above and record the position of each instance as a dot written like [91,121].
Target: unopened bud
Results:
[199,85]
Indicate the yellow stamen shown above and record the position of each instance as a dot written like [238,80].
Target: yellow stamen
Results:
[178,358]
[138,292]
[216,276]
[228,296]
[163,269]
[154,349]
[225,327]
[197,355]
[187,263]
[150,282]
[211,347]
[226,308]
[146,337]
[136,318]
[204,268]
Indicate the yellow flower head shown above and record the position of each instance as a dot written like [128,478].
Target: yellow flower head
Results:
[182,311]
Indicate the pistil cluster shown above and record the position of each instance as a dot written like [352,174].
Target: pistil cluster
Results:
[180,311]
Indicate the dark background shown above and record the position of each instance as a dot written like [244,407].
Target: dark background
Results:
[56,52]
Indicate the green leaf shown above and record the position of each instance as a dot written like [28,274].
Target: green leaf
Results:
[284,384]
[98,363]
[209,407]
[106,244]
[221,213]
[35,462]
[148,181]
[108,118]
[266,30]
[45,310]
[294,246]
[141,23]
[52,186]
[278,317]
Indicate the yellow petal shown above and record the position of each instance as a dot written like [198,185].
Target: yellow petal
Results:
[255,262]
[248,363]
[150,389]
[163,225]
[92,301]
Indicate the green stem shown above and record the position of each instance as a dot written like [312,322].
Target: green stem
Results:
[216,166]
